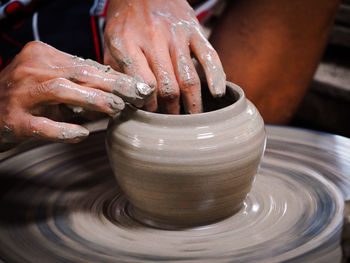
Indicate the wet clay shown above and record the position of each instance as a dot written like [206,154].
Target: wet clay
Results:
[90,62]
[125,86]
[187,170]
[65,133]
[76,134]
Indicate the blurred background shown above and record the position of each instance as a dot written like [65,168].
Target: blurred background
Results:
[326,106]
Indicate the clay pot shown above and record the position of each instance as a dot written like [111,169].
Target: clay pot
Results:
[187,170]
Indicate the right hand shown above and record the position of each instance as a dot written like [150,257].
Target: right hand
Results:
[40,78]
[152,40]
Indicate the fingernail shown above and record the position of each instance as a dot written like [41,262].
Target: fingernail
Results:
[143,89]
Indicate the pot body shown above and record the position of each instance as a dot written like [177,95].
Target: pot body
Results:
[187,170]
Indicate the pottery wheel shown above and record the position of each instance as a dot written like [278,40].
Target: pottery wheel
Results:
[61,203]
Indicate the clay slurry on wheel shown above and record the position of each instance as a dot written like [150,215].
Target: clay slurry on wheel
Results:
[61,203]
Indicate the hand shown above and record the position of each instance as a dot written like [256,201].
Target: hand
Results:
[152,41]
[40,78]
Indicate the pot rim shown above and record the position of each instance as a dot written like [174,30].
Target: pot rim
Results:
[220,114]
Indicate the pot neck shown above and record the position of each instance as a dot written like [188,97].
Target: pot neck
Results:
[233,93]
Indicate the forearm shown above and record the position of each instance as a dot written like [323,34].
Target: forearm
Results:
[272,48]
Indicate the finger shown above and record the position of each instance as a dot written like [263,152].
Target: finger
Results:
[61,90]
[187,78]
[109,60]
[211,63]
[86,72]
[92,74]
[139,69]
[130,60]
[151,104]
[115,47]
[46,129]
[168,92]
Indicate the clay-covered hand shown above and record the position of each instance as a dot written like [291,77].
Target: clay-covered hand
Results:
[152,41]
[41,78]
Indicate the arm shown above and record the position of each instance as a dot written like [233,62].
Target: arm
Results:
[272,48]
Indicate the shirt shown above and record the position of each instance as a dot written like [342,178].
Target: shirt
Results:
[75,26]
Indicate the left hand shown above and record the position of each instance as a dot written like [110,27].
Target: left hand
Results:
[41,78]
[152,40]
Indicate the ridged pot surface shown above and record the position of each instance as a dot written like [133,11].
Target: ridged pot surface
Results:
[187,170]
